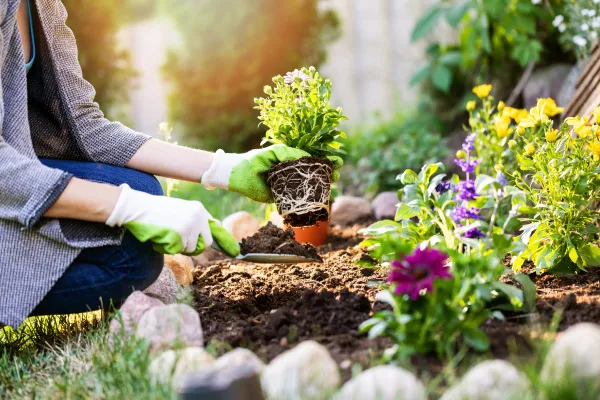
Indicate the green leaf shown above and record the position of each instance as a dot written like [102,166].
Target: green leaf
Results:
[405,212]
[409,176]
[456,12]
[427,23]
[387,297]
[377,329]
[453,58]
[514,294]
[590,255]
[442,78]
[476,339]
[421,74]
[428,171]
[529,291]
[368,324]
[573,254]
[520,260]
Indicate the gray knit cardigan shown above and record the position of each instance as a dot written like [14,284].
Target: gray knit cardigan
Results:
[48,113]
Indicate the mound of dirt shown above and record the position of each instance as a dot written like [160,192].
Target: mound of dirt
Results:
[273,240]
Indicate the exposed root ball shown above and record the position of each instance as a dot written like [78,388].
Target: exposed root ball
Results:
[302,190]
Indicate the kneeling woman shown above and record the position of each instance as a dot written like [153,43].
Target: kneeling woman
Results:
[83,221]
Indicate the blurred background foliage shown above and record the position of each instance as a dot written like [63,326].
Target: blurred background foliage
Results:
[231,50]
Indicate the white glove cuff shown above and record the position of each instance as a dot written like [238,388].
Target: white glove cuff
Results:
[219,172]
[123,211]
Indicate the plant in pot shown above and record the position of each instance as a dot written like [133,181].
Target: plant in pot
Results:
[298,113]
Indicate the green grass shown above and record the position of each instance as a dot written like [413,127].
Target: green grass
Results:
[69,358]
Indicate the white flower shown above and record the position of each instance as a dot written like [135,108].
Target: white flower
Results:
[559,20]
[562,27]
[584,12]
[579,41]
[585,27]
[536,1]
[593,35]
[596,1]
[592,13]
[596,22]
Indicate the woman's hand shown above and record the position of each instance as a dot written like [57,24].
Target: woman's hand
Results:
[173,225]
[246,173]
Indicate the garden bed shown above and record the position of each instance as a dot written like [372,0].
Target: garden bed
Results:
[270,308]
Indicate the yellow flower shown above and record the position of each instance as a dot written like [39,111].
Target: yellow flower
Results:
[498,167]
[536,116]
[596,114]
[461,154]
[552,135]
[550,107]
[595,149]
[502,127]
[512,144]
[520,130]
[471,105]
[501,106]
[521,115]
[581,126]
[482,91]
[529,149]
[596,131]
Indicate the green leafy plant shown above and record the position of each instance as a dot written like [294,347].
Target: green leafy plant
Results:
[579,26]
[299,114]
[558,172]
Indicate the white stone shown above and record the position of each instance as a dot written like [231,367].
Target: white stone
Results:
[574,355]
[383,383]
[385,205]
[490,380]
[348,209]
[208,257]
[165,288]
[182,267]
[240,356]
[241,224]
[125,322]
[306,371]
[175,325]
[176,365]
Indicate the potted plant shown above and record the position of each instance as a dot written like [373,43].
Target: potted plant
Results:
[298,113]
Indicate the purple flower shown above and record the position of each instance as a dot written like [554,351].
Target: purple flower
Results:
[418,271]
[469,144]
[467,166]
[466,190]
[473,233]
[500,178]
[290,77]
[462,212]
[442,187]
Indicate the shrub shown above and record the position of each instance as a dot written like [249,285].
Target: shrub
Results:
[376,155]
[232,49]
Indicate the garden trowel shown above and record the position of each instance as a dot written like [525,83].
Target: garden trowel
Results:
[264,258]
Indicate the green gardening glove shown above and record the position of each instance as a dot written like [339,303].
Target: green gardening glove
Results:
[173,226]
[246,173]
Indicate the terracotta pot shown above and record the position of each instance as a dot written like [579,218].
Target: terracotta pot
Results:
[316,235]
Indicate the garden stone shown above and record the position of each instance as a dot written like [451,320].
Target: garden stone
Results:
[576,354]
[545,82]
[241,225]
[385,205]
[383,383]
[182,267]
[131,311]
[490,380]
[177,364]
[346,210]
[240,356]
[171,326]
[165,288]
[306,371]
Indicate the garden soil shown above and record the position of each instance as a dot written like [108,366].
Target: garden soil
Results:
[270,308]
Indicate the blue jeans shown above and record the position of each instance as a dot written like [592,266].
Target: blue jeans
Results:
[105,275]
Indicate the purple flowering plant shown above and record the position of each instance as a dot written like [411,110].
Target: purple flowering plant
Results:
[437,296]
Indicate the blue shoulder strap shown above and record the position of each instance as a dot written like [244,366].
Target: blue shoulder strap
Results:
[30,63]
